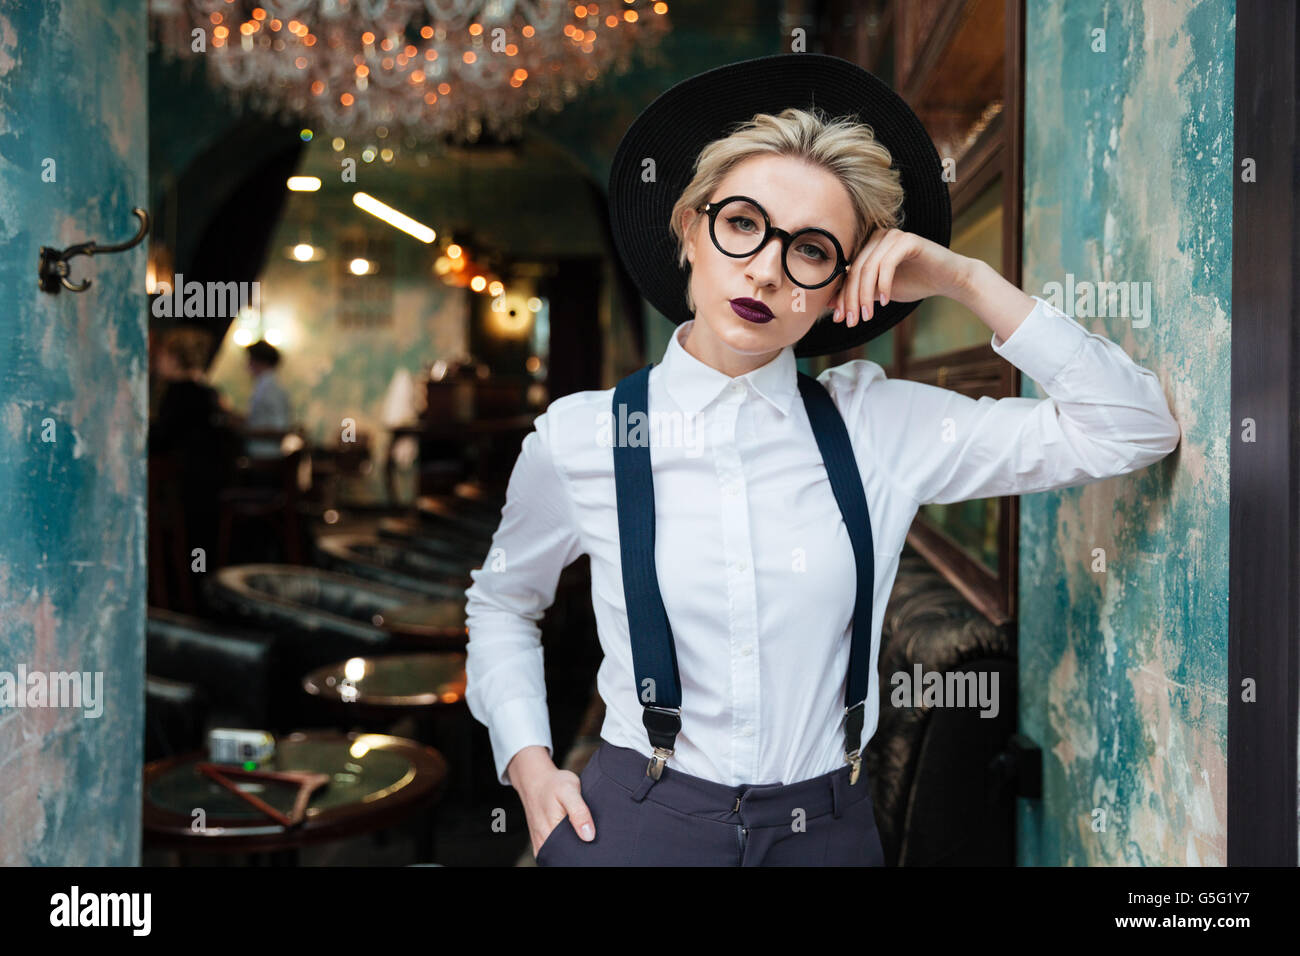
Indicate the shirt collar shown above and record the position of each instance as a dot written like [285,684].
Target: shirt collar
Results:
[693,384]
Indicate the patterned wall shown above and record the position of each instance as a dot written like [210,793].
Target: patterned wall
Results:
[335,367]
[1128,166]
[73,161]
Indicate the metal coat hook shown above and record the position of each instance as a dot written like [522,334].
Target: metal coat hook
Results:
[54,268]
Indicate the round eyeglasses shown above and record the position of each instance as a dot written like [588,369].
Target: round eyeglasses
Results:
[739,227]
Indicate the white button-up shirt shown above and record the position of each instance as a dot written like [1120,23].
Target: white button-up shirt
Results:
[754,562]
[267,409]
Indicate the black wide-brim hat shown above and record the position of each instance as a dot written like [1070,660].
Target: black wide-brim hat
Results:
[682,121]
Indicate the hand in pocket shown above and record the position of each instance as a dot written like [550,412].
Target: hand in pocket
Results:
[554,798]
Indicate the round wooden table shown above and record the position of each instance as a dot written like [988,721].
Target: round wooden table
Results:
[376,781]
[393,682]
[436,625]
[429,686]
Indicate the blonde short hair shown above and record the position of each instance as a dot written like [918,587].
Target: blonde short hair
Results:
[843,146]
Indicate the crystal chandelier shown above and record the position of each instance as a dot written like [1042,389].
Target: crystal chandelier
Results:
[417,68]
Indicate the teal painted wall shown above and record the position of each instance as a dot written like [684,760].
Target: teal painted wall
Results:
[72,427]
[1128,177]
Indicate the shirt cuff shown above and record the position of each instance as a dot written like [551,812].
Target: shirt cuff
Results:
[1044,342]
[516,724]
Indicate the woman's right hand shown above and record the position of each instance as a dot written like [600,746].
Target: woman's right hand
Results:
[549,795]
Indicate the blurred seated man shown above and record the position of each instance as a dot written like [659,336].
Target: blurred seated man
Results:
[192,427]
[268,409]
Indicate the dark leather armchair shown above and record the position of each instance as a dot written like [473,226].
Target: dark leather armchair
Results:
[939,800]
[394,562]
[323,617]
[175,717]
[231,676]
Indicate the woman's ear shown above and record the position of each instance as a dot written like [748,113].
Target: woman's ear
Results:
[688,234]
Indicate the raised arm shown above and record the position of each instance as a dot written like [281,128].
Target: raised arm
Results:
[1104,416]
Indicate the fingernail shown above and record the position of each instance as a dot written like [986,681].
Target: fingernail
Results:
[587,832]
[884,300]
[849,316]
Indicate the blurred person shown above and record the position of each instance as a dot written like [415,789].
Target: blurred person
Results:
[268,409]
[192,427]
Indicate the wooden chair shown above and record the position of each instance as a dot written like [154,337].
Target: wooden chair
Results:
[267,489]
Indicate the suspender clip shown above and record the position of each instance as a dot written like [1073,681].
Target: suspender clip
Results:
[663,724]
[656,766]
[854,718]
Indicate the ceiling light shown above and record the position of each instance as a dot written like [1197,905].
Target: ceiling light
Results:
[394,218]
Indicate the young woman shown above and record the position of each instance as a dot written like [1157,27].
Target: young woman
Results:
[744,521]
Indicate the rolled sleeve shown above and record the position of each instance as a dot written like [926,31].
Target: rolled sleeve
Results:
[535,540]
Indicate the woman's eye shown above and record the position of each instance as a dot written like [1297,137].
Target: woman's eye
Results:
[814,252]
[734,220]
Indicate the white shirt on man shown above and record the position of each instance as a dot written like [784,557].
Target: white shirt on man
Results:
[267,409]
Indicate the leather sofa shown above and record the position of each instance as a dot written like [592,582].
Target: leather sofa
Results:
[175,717]
[395,563]
[940,799]
[202,675]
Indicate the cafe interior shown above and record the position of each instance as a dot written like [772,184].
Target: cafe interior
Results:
[420,270]
[366,258]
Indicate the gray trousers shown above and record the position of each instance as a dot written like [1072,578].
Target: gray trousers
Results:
[687,821]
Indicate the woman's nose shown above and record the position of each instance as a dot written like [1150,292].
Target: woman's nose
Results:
[764,266]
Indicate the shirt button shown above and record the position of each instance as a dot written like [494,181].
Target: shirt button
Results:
[747,731]
[737,386]
[741,565]
[746,650]
[729,490]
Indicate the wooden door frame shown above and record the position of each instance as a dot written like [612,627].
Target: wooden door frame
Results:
[1264,476]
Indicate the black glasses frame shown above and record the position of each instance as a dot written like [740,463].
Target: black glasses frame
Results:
[769,230]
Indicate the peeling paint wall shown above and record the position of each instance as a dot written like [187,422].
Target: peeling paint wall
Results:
[72,429]
[1128,177]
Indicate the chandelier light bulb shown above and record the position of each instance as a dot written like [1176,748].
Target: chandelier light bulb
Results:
[455,69]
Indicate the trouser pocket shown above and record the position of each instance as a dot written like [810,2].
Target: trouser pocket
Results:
[563,846]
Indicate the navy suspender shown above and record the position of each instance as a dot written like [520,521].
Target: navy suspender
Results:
[653,655]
